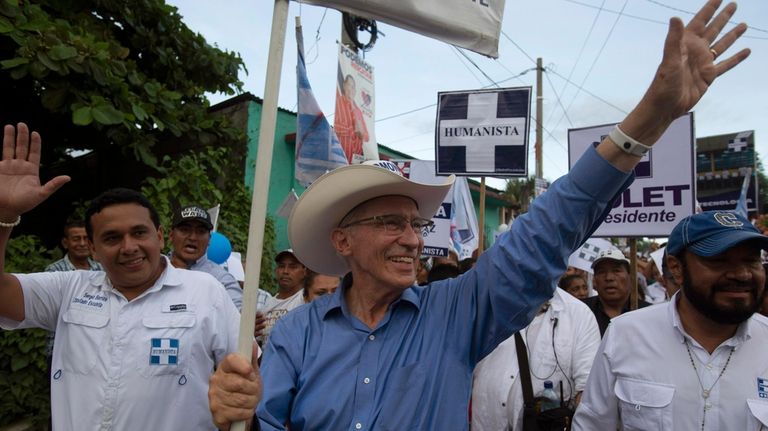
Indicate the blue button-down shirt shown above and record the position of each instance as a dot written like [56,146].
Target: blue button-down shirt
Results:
[323,369]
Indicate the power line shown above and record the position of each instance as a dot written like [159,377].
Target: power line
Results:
[460,51]
[658,3]
[587,91]
[594,62]
[435,104]
[581,52]
[455,52]
[559,102]
[642,18]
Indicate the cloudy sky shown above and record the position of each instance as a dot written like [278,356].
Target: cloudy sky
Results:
[609,49]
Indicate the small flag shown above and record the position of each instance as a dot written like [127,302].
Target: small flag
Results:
[214,214]
[287,205]
[317,147]
[741,205]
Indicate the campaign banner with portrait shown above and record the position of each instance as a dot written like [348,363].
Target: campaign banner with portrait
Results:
[664,188]
[353,120]
[723,163]
[470,24]
[483,132]
[455,221]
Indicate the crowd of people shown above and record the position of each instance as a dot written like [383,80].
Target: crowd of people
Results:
[365,334]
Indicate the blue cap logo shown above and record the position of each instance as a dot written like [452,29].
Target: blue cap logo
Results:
[728,220]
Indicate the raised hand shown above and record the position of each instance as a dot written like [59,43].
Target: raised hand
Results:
[20,188]
[689,66]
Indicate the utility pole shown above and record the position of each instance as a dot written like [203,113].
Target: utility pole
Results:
[539,120]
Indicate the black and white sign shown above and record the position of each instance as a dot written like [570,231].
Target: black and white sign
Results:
[664,189]
[483,133]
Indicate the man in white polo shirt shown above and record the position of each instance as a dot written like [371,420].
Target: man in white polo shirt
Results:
[135,344]
[699,361]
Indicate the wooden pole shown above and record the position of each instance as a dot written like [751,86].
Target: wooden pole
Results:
[633,273]
[481,221]
[539,120]
[261,183]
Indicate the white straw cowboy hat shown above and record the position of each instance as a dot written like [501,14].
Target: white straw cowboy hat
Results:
[331,197]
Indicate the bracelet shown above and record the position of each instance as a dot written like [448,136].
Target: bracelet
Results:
[627,144]
[11,224]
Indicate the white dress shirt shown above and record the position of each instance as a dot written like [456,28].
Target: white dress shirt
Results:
[497,397]
[142,364]
[643,379]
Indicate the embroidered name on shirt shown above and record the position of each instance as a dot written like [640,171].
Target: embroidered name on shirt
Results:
[91,300]
[762,388]
[164,351]
[177,307]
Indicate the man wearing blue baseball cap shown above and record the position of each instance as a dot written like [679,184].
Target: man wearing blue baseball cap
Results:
[699,361]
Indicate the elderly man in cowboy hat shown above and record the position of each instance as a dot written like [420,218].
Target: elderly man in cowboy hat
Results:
[383,353]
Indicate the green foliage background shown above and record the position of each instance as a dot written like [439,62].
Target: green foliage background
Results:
[23,362]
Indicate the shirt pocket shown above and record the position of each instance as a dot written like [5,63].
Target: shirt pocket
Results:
[757,418]
[165,347]
[402,407]
[83,336]
[644,406]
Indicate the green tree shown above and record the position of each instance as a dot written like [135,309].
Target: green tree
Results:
[520,191]
[23,361]
[100,73]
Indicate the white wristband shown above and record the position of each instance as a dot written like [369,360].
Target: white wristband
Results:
[627,144]
[11,224]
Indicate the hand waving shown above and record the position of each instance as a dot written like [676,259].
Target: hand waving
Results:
[690,65]
[20,188]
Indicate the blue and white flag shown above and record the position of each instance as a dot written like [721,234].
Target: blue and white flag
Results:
[483,132]
[463,220]
[317,147]
[741,205]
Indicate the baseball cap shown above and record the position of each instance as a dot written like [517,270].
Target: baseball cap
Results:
[286,252]
[610,254]
[711,233]
[192,212]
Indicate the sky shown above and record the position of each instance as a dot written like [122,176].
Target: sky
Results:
[610,49]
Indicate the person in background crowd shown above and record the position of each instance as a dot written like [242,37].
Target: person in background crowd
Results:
[317,285]
[699,361]
[561,344]
[425,264]
[290,273]
[466,264]
[451,259]
[77,252]
[613,286]
[575,285]
[442,272]
[190,236]
[412,348]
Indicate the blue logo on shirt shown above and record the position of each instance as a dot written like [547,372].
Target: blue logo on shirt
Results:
[762,388]
[164,351]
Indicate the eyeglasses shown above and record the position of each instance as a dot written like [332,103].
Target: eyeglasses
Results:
[394,224]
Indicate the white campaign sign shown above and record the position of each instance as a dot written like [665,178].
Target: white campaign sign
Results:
[664,188]
[470,24]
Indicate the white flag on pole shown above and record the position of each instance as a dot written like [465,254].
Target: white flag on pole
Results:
[470,24]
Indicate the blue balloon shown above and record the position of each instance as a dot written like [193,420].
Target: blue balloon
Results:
[219,248]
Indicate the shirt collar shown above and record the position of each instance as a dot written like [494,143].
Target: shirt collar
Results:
[336,301]
[169,277]
[743,332]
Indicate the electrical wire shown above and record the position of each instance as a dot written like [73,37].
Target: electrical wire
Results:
[578,57]
[658,3]
[461,51]
[594,61]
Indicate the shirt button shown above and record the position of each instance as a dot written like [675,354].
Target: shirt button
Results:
[709,366]
[359,425]
[371,337]
[366,380]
